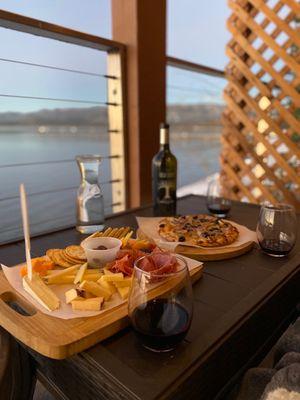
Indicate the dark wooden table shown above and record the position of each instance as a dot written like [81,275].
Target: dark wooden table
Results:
[241,306]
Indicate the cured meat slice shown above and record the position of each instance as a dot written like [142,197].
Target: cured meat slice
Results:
[159,262]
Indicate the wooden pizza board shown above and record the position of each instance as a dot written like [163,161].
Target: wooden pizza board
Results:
[207,254]
[60,338]
[211,254]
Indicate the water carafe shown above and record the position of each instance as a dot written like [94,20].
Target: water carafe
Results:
[90,204]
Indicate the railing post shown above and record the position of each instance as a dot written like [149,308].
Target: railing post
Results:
[141,26]
[116,127]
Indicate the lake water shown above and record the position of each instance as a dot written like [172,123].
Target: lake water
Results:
[52,186]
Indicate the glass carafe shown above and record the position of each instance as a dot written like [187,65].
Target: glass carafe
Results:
[90,204]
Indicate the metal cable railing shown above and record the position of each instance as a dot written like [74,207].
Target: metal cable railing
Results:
[76,71]
[109,182]
[44,222]
[99,103]
[51,162]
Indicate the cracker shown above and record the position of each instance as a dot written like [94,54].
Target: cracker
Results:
[59,260]
[70,259]
[76,252]
[49,253]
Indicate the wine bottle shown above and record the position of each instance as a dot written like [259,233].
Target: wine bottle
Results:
[164,176]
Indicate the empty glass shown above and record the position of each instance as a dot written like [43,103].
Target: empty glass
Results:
[217,204]
[277,229]
[160,306]
[90,204]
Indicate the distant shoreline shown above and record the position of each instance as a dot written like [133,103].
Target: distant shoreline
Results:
[178,132]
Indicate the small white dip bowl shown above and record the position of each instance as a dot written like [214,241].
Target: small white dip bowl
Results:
[98,258]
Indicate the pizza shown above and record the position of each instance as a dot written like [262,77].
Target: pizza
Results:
[200,230]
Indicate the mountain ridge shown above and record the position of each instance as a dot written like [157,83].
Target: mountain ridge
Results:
[196,114]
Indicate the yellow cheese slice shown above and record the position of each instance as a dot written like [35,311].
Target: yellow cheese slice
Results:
[95,289]
[80,273]
[113,277]
[107,285]
[66,271]
[126,282]
[123,292]
[62,280]
[41,292]
[73,294]
[93,304]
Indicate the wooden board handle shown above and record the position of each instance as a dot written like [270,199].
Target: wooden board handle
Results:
[13,318]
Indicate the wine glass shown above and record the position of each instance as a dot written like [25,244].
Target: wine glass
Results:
[160,305]
[276,229]
[217,204]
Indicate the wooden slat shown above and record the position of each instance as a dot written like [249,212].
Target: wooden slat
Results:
[45,29]
[193,67]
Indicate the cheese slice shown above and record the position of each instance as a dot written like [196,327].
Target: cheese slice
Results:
[61,280]
[73,294]
[113,277]
[107,285]
[80,273]
[107,271]
[88,272]
[123,292]
[126,282]
[95,289]
[41,292]
[65,272]
[93,304]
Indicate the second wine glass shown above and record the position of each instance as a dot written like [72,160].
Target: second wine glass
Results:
[276,229]
[217,204]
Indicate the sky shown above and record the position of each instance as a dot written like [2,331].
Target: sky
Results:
[196,32]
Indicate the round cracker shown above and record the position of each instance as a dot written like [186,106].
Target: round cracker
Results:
[76,252]
[49,253]
[70,259]
[59,260]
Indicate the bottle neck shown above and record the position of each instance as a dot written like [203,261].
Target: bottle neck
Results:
[164,139]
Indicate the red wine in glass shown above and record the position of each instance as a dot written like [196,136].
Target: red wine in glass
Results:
[277,229]
[219,210]
[160,324]
[217,204]
[276,248]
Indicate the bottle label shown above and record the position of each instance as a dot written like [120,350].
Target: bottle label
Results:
[166,175]
[166,190]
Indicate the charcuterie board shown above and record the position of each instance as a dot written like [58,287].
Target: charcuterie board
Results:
[60,338]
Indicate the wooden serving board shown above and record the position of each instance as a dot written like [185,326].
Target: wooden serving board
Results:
[211,254]
[59,338]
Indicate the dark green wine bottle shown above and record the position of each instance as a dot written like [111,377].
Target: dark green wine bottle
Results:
[164,177]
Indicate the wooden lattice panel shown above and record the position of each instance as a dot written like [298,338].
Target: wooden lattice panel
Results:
[261,136]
